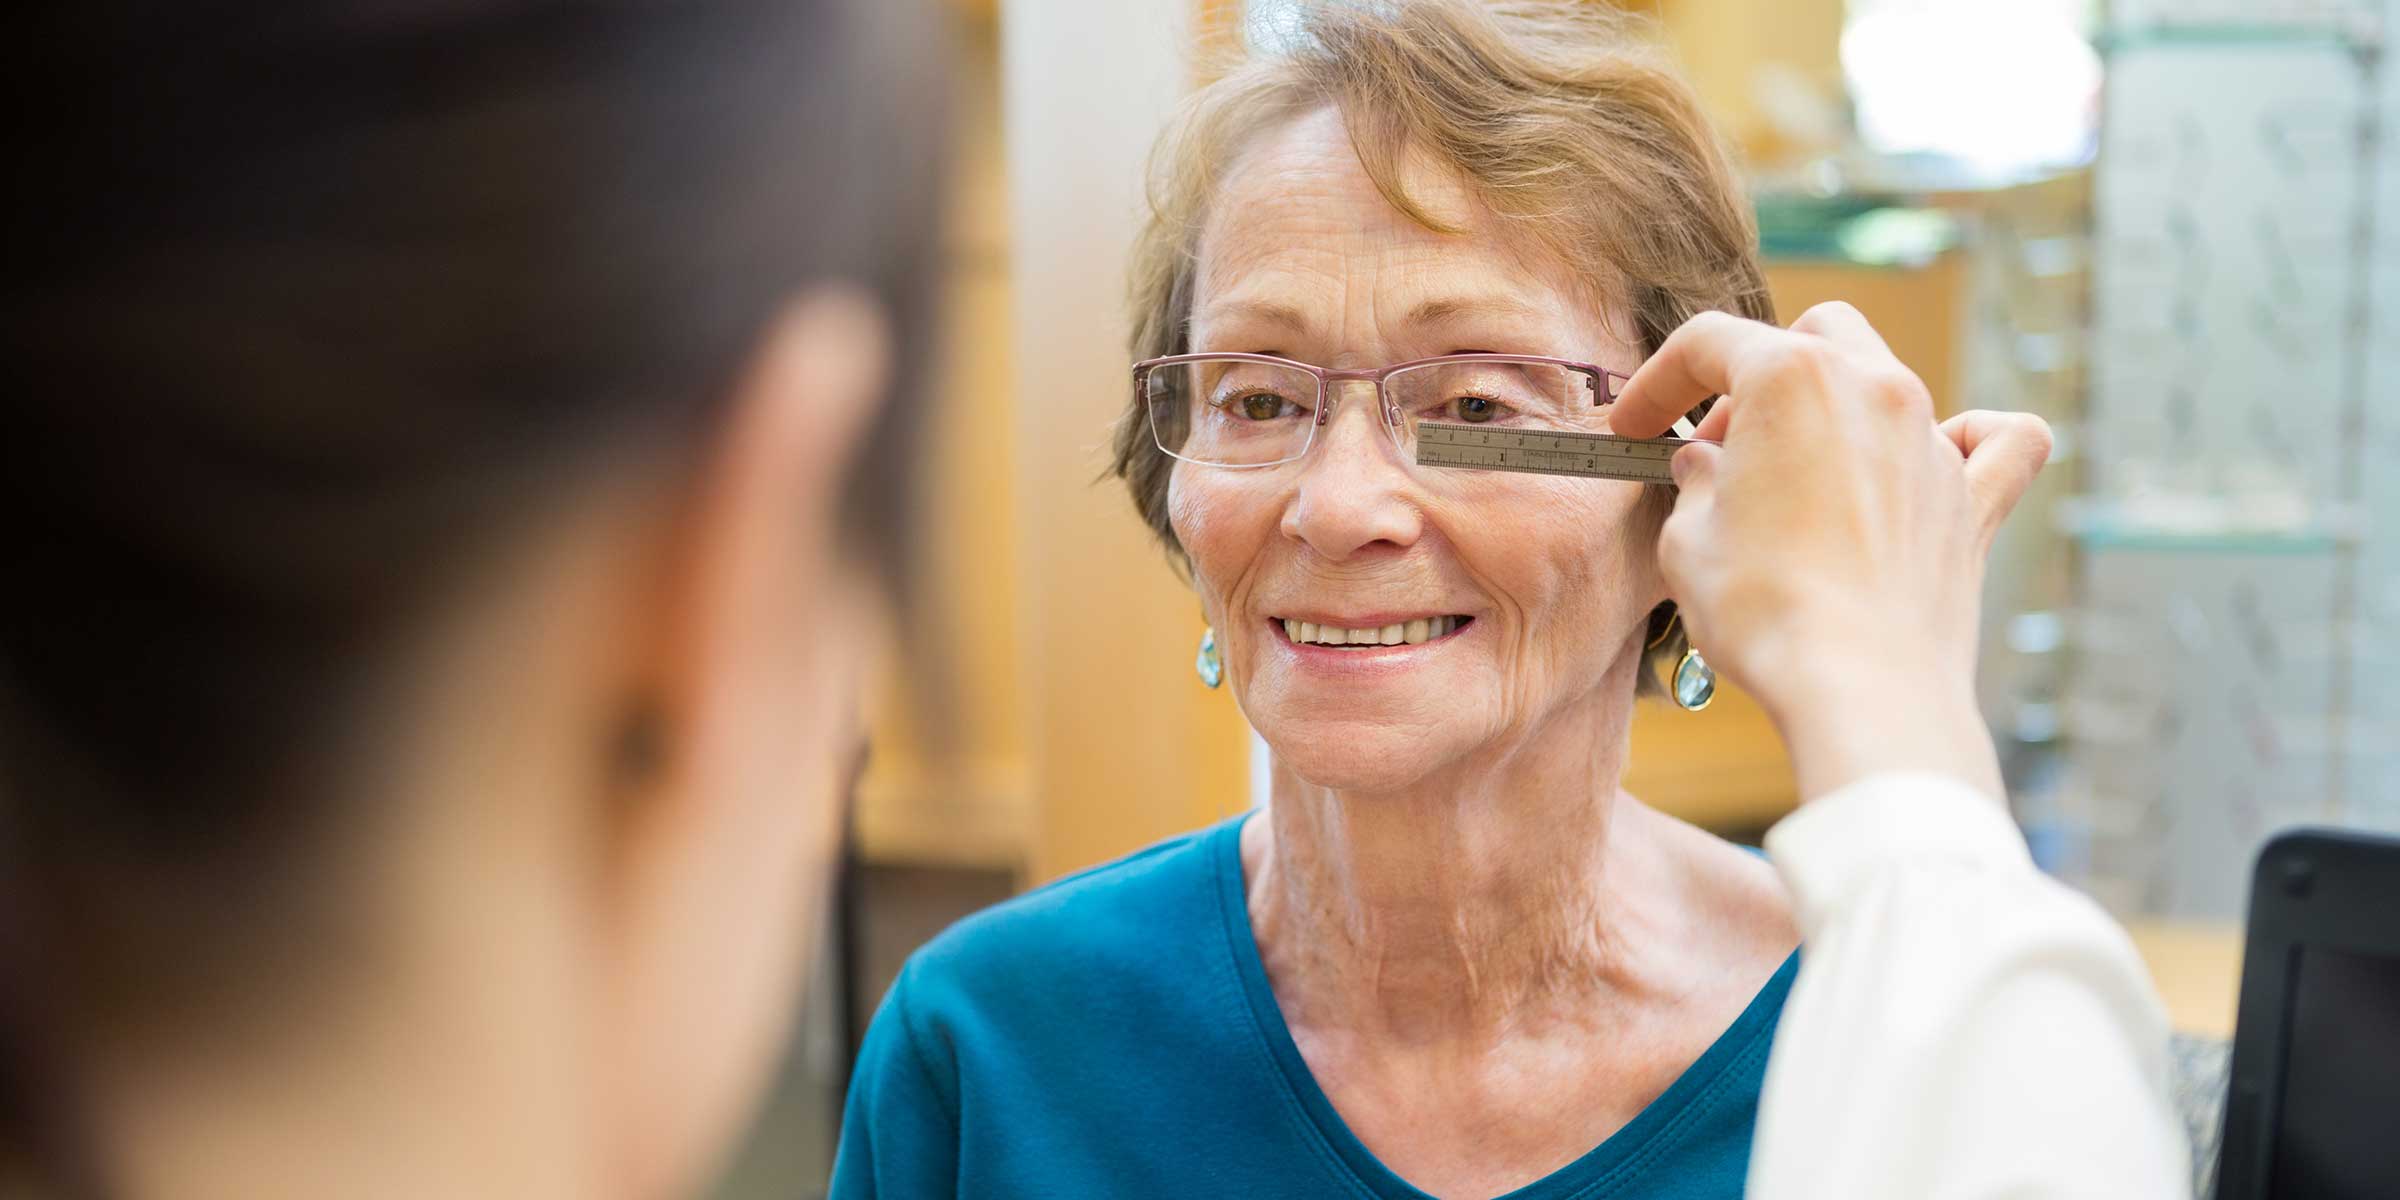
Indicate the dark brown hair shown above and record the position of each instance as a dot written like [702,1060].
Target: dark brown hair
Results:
[1563,117]
[320,299]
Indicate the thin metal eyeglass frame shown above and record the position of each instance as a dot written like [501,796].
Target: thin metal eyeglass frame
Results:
[1604,384]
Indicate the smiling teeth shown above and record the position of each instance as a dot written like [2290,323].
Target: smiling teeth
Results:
[1417,632]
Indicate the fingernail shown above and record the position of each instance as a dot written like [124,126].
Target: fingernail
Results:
[1680,466]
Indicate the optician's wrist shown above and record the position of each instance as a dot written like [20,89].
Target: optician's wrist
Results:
[1857,723]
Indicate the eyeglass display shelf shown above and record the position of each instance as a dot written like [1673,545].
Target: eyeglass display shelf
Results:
[2262,35]
[2202,525]
[1854,229]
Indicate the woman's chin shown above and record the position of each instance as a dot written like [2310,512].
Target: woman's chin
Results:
[1353,758]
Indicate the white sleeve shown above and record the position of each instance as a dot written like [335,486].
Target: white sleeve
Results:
[1962,1026]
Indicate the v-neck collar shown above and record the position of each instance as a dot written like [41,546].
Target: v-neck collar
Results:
[1605,1168]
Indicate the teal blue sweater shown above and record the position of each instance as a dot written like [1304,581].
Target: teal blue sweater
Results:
[1113,1034]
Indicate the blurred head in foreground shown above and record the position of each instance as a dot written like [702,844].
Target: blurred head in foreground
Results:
[450,478]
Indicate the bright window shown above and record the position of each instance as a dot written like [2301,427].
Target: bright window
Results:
[2002,85]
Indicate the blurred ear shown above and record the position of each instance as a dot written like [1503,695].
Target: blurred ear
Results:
[760,603]
[759,640]
[760,550]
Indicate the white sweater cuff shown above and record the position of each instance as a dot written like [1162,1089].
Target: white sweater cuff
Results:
[1842,840]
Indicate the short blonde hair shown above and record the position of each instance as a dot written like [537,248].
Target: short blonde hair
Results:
[1563,118]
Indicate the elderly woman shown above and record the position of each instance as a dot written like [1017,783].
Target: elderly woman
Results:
[1453,956]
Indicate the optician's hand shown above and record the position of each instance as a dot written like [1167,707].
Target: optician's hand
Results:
[1829,556]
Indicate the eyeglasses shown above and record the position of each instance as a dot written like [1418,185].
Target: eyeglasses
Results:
[1256,410]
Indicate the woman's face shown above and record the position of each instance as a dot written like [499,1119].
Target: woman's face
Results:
[1546,579]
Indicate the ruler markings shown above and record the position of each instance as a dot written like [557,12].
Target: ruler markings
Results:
[1586,455]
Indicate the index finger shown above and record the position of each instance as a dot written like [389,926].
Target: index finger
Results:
[1841,323]
[1695,362]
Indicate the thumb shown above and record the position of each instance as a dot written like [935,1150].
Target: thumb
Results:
[1695,468]
[1682,541]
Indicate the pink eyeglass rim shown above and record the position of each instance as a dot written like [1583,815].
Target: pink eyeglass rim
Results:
[1614,382]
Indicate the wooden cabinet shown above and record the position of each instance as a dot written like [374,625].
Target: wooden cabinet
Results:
[962,794]
[1078,731]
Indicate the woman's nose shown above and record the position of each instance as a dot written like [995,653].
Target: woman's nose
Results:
[1354,492]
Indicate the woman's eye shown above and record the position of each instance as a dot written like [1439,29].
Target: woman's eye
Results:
[1260,406]
[1476,409]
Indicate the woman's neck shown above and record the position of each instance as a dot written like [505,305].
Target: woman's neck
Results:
[1463,905]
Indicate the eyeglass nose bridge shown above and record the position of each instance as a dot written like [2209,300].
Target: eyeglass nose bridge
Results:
[1326,379]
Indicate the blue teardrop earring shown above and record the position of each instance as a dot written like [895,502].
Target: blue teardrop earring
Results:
[1210,664]
[1695,681]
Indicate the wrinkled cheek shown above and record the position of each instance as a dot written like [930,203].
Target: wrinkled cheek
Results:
[1222,526]
[1621,578]
[1188,513]
[1619,553]
[1578,578]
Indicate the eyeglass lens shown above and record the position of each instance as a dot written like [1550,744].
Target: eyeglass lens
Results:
[1235,412]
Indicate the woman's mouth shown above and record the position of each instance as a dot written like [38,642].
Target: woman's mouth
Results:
[1414,632]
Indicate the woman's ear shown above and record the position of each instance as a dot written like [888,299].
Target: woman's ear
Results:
[746,722]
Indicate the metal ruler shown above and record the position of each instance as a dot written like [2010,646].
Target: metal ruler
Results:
[1590,455]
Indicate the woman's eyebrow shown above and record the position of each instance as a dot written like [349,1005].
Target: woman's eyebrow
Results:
[1266,312]
[1444,309]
